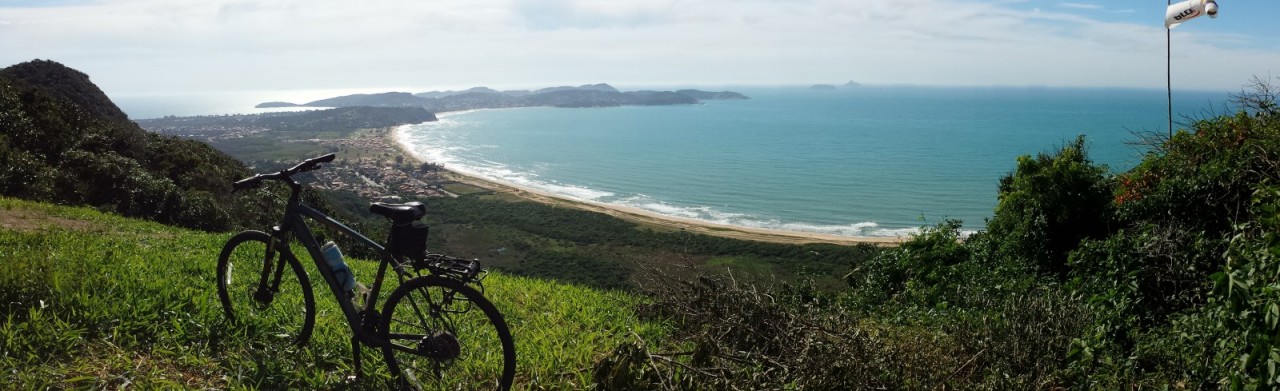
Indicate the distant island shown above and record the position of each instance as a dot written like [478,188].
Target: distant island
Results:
[590,95]
[828,87]
[272,105]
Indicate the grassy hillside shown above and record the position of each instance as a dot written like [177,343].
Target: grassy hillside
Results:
[92,300]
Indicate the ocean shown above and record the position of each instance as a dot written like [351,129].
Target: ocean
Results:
[866,161]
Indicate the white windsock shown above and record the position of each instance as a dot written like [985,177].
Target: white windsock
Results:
[1181,12]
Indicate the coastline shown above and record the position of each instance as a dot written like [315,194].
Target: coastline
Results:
[645,217]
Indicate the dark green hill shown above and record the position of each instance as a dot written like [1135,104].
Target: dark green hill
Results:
[346,118]
[62,140]
[386,99]
[64,82]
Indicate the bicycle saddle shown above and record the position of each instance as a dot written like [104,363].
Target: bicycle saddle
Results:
[399,213]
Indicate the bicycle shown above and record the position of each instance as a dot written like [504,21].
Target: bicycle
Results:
[434,327]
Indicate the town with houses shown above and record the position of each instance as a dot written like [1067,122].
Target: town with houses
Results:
[368,163]
[376,180]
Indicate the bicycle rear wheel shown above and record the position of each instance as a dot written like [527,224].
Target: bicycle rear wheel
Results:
[284,309]
[446,335]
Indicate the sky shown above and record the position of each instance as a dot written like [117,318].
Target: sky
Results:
[165,46]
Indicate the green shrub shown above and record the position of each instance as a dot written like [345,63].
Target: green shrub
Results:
[1048,205]
[734,336]
[1188,199]
[921,271]
[1019,339]
[1159,319]
[1249,290]
[23,174]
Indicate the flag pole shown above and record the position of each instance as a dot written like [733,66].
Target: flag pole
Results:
[1187,10]
[1168,70]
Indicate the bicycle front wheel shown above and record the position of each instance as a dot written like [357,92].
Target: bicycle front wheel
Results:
[443,334]
[282,309]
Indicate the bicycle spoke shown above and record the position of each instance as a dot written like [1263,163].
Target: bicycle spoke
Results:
[284,311]
[417,309]
[466,342]
[411,324]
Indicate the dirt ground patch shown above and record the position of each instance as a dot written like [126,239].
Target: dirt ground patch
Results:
[29,220]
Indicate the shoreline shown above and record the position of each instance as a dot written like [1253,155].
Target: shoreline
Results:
[645,217]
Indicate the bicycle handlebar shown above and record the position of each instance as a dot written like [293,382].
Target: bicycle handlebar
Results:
[306,165]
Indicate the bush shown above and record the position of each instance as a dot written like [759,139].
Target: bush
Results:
[730,335]
[921,271]
[1247,289]
[23,174]
[1018,339]
[735,336]
[1048,205]
[1197,196]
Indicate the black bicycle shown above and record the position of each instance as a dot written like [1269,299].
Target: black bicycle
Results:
[436,329]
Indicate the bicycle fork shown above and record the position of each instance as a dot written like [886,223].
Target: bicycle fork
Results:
[269,282]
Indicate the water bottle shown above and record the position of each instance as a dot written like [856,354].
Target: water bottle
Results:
[333,257]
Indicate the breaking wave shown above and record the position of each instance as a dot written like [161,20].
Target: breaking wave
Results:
[434,147]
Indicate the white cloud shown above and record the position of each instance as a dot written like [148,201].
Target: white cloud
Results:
[155,45]
[1084,6]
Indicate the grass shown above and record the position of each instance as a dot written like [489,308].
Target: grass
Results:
[464,189]
[90,300]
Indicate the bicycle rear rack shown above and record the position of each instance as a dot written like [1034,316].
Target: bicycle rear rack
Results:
[467,271]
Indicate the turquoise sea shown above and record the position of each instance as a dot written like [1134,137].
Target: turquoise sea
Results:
[867,161]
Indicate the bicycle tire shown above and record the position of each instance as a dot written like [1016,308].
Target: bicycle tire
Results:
[478,325]
[275,318]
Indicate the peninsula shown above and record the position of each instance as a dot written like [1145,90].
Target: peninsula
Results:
[590,95]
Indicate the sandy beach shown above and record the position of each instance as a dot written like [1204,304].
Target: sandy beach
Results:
[645,217]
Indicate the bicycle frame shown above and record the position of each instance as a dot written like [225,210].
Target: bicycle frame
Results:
[293,225]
